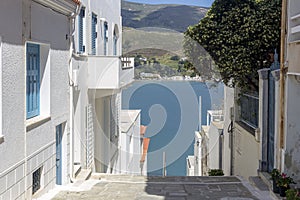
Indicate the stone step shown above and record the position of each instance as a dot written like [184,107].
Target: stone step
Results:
[266,177]
[83,175]
[258,183]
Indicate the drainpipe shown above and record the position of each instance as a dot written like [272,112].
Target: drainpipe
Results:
[282,74]
[71,84]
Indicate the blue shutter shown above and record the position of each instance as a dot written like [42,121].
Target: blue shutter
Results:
[33,80]
[105,37]
[80,31]
[94,33]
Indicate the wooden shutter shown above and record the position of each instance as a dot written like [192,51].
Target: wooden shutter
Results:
[94,33]
[80,31]
[105,37]
[33,80]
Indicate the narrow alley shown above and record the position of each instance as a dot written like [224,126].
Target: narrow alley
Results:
[124,187]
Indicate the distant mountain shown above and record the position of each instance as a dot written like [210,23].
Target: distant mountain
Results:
[155,32]
[169,16]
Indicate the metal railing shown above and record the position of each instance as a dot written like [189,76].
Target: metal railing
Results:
[249,109]
[127,62]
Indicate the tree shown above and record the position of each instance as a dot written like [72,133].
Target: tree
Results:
[199,60]
[239,35]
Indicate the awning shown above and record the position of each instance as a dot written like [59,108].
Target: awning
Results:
[66,7]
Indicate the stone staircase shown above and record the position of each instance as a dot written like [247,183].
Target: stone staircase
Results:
[263,183]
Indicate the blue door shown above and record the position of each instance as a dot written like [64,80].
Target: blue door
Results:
[58,154]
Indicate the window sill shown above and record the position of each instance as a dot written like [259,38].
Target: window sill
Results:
[1,139]
[36,122]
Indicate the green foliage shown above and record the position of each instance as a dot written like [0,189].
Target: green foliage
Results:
[162,65]
[238,35]
[284,180]
[175,58]
[199,60]
[275,174]
[292,194]
[216,172]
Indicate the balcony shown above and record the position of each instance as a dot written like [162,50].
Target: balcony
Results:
[109,72]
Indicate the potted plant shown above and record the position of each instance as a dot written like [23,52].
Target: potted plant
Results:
[275,176]
[284,182]
[216,172]
[292,194]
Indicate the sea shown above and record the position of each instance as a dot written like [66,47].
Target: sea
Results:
[172,112]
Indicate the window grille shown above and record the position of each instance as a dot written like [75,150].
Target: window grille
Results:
[36,180]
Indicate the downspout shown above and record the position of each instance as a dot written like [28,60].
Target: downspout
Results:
[282,75]
[71,84]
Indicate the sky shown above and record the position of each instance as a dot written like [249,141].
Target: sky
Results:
[206,3]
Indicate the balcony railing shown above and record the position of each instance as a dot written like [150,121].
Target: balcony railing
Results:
[127,62]
[249,110]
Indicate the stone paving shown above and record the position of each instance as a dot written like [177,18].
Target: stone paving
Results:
[121,187]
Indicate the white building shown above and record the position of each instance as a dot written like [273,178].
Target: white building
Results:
[287,137]
[208,147]
[61,78]
[34,99]
[130,149]
[98,74]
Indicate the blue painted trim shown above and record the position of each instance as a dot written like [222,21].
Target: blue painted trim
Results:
[32,80]
[94,33]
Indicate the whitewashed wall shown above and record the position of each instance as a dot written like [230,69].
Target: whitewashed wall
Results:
[106,10]
[228,104]
[101,99]
[246,153]
[292,128]
[213,146]
[23,151]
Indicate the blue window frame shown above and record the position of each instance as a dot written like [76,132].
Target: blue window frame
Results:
[94,33]
[81,15]
[115,43]
[105,37]
[32,80]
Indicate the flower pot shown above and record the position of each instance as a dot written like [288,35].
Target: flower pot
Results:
[275,186]
[282,191]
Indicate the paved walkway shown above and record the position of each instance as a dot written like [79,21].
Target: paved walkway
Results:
[119,187]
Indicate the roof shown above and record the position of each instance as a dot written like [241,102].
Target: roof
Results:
[128,117]
[205,129]
[146,142]
[65,7]
[197,135]
[76,1]
[218,124]
[143,130]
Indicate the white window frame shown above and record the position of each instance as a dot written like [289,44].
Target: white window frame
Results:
[45,81]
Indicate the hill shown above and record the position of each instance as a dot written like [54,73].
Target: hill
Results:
[155,32]
[169,16]
[135,40]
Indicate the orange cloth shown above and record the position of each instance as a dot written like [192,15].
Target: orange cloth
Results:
[146,142]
